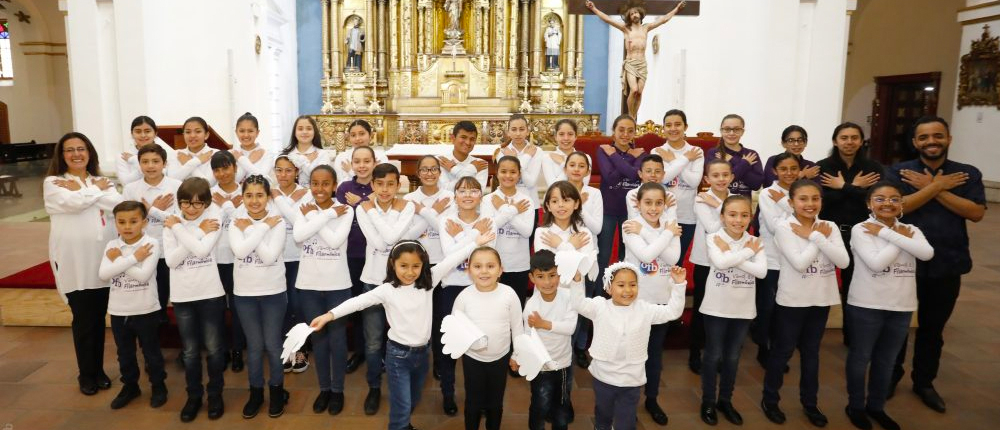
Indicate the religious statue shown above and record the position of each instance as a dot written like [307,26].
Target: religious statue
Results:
[634,66]
[355,45]
[454,9]
[453,32]
[553,40]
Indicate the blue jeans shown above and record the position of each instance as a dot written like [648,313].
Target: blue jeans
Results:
[550,395]
[330,343]
[697,320]
[406,368]
[373,319]
[261,317]
[876,338]
[615,405]
[293,313]
[687,235]
[800,328]
[443,302]
[145,329]
[763,328]
[237,340]
[723,341]
[202,323]
[654,358]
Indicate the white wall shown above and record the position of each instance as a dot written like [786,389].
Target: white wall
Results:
[37,100]
[974,128]
[775,63]
[173,60]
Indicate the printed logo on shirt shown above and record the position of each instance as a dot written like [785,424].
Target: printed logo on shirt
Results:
[734,278]
[431,234]
[818,270]
[313,249]
[464,266]
[897,270]
[251,260]
[506,231]
[381,252]
[192,262]
[625,184]
[655,268]
[127,283]
[673,182]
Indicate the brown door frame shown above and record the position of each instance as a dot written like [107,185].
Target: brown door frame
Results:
[881,105]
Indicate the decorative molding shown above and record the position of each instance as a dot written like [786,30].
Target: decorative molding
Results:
[54,54]
[979,6]
[981,20]
[41,44]
[979,76]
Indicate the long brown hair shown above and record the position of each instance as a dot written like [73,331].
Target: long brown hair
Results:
[566,190]
[58,166]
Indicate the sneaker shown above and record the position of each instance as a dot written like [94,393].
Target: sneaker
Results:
[288,365]
[126,395]
[301,362]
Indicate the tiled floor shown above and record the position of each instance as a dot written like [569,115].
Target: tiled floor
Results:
[38,389]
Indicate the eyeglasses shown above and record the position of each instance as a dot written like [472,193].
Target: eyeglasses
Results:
[81,150]
[468,192]
[184,204]
[795,141]
[423,170]
[732,130]
[882,200]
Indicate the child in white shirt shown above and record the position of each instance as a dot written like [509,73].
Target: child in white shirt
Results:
[431,203]
[577,172]
[528,155]
[460,163]
[682,172]
[227,198]
[195,159]
[253,158]
[305,148]
[514,220]
[651,170]
[143,131]
[129,264]
[287,198]
[737,260]
[359,133]
[554,161]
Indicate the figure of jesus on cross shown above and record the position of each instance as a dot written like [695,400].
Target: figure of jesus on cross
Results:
[634,67]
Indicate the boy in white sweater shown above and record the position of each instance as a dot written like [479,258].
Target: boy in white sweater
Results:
[129,264]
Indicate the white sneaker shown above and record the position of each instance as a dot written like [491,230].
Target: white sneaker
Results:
[301,362]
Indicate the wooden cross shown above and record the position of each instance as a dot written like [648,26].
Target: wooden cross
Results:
[653,7]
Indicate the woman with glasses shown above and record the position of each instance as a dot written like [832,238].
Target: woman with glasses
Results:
[748,174]
[79,202]
[794,139]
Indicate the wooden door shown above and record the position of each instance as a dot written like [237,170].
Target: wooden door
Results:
[899,101]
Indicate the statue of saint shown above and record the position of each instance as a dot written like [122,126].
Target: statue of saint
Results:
[634,67]
[553,39]
[454,9]
[355,41]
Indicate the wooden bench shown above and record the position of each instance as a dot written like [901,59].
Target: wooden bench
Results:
[8,186]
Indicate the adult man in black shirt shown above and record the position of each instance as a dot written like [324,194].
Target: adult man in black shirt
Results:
[846,176]
[939,196]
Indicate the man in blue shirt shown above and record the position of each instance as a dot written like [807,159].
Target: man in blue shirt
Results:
[939,196]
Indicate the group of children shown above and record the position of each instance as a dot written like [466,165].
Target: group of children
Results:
[307,237]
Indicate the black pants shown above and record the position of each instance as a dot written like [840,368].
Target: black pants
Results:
[800,328]
[518,281]
[443,301]
[356,342]
[144,329]
[550,396]
[697,323]
[654,358]
[937,297]
[845,282]
[163,287]
[763,327]
[485,384]
[88,308]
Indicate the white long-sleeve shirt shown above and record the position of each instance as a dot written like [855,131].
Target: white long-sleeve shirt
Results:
[141,190]
[462,169]
[513,230]
[133,282]
[497,313]
[344,175]
[80,226]
[885,268]
[408,309]
[808,276]
[258,269]
[424,226]
[730,291]
[553,171]
[621,333]
[709,221]
[592,210]
[682,177]
[654,251]
[263,166]
[301,161]
[589,249]
[128,171]
[632,204]
[531,170]
[382,229]
[289,210]
[224,252]
[194,166]
[770,214]
[563,317]
[449,244]
[323,260]
[190,254]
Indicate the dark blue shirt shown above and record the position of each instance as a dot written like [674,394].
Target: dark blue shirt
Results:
[356,241]
[945,230]
[619,175]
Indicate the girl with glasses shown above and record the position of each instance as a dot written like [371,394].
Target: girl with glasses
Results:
[748,174]
[432,203]
[794,139]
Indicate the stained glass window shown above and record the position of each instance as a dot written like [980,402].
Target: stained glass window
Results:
[6,64]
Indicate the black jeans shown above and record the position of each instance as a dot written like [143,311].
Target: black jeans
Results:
[518,281]
[697,324]
[937,297]
[654,358]
[145,329]
[724,341]
[763,328]
[800,328]
[485,383]
[163,287]
[356,341]
[443,302]
[88,308]
[550,396]
[202,324]
[845,282]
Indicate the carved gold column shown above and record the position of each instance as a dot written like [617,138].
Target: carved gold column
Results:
[428,28]
[569,52]
[326,39]
[406,34]
[579,47]
[512,32]
[393,35]
[421,46]
[371,35]
[336,65]
[522,30]
[500,34]
[536,37]
[484,36]
[381,30]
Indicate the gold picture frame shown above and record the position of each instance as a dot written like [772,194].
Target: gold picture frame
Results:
[979,77]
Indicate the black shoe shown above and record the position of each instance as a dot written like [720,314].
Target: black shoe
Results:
[88,388]
[237,361]
[336,403]
[128,392]
[103,381]
[277,398]
[883,420]
[728,411]
[190,410]
[410,427]
[372,401]
[656,411]
[580,356]
[931,398]
[708,414]
[159,396]
[353,362]
[322,402]
[815,416]
[450,408]
[694,361]
[858,418]
[772,412]
[301,362]
[254,402]
[216,407]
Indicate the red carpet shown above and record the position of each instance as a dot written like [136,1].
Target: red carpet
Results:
[38,276]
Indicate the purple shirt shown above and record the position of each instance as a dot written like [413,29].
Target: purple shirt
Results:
[770,176]
[356,242]
[747,177]
[619,175]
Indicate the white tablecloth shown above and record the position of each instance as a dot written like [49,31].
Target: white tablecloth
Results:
[480,150]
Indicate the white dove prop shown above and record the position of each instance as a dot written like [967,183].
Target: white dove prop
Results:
[530,354]
[459,334]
